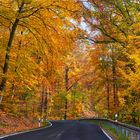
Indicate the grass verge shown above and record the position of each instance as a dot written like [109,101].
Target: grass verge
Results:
[115,135]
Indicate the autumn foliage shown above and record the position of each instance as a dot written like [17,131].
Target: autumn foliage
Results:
[68,59]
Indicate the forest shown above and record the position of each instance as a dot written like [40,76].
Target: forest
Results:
[68,59]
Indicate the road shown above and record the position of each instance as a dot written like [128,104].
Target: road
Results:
[64,130]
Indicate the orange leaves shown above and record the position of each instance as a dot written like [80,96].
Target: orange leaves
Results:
[42,39]
[116,54]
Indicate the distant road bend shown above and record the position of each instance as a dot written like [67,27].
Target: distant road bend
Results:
[64,130]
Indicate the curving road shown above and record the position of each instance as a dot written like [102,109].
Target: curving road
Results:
[64,130]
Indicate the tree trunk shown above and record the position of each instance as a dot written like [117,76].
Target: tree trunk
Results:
[115,87]
[66,86]
[108,95]
[7,55]
[46,104]
[42,99]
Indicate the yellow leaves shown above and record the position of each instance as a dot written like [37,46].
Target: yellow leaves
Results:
[135,42]
[27,1]
[133,37]
[43,38]
[136,58]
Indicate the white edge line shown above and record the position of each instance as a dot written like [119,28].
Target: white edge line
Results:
[26,131]
[106,134]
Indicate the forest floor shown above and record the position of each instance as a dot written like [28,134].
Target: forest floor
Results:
[11,124]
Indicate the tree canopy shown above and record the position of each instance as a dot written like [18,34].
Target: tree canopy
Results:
[67,59]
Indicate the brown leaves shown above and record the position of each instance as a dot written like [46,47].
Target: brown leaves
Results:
[10,124]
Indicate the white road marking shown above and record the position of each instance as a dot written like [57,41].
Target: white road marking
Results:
[106,134]
[55,134]
[59,134]
[27,131]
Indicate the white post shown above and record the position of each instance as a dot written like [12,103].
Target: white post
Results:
[39,122]
[116,117]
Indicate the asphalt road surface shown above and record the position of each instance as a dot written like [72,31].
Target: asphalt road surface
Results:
[64,130]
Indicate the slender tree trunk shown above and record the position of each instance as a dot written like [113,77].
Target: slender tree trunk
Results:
[7,55]
[42,99]
[46,104]
[115,87]
[108,96]
[107,85]
[66,107]
[66,86]
[74,106]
